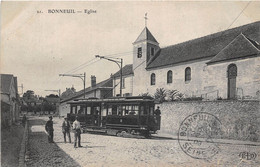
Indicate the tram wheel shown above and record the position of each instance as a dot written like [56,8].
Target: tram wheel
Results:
[123,133]
[118,134]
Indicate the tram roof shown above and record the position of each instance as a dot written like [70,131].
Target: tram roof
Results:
[114,99]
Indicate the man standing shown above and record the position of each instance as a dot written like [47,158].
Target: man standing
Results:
[157,112]
[66,129]
[76,128]
[49,129]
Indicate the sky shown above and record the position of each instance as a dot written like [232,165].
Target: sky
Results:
[37,46]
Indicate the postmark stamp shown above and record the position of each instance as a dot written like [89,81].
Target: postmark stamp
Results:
[197,133]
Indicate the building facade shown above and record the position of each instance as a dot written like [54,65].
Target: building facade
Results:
[102,89]
[222,65]
[127,81]
[9,100]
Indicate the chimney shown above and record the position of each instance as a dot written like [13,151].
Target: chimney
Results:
[93,80]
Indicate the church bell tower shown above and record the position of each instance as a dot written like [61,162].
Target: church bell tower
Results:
[145,48]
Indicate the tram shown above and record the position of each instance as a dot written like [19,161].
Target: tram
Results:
[116,116]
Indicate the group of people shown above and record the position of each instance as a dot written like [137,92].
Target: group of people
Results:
[66,128]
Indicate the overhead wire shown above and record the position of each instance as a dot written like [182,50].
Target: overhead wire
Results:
[239,15]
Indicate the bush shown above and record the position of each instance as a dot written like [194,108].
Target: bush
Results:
[160,94]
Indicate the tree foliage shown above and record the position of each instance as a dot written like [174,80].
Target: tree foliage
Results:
[172,94]
[160,94]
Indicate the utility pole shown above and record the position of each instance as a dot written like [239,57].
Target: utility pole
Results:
[81,76]
[119,62]
[21,87]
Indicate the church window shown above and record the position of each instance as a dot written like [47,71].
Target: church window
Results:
[169,76]
[139,52]
[152,51]
[187,74]
[152,79]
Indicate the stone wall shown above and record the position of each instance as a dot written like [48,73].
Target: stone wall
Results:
[240,119]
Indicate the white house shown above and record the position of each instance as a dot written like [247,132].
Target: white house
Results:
[221,65]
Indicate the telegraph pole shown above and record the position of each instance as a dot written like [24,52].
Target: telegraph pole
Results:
[22,88]
[81,76]
[117,61]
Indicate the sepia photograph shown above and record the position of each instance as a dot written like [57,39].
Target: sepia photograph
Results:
[134,83]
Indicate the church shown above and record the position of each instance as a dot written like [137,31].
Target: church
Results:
[223,65]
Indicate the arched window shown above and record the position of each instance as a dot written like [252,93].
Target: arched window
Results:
[152,79]
[187,74]
[169,76]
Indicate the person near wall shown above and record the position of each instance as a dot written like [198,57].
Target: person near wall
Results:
[66,129]
[49,129]
[157,112]
[77,132]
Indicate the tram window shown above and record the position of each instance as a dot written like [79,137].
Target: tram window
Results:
[109,111]
[114,110]
[147,110]
[74,110]
[88,110]
[135,110]
[96,110]
[142,110]
[78,109]
[130,108]
[104,112]
[81,110]
[123,110]
[119,110]
[126,110]
[151,110]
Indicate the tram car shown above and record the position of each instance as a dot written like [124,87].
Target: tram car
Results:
[116,116]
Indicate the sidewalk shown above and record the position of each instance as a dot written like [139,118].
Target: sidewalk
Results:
[220,141]
[10,145]
[43,153]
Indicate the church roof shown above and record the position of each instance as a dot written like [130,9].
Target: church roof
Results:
[145,35]
[126,70]
[238,48]
[204,47]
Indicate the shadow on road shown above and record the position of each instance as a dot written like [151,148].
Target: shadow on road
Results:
[36,122]
[43,153]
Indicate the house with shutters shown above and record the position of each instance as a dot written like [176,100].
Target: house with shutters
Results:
[221,65]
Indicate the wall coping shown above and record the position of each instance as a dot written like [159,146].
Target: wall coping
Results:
[212,101]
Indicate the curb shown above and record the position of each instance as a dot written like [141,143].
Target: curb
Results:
[24,145]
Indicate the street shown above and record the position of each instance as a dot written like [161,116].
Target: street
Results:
[104,150]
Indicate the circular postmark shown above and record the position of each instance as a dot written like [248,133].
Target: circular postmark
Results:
[197,133]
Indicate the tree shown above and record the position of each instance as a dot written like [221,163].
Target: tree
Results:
[160,94]
[29,96]
[52,96]
[172,94]
[179,96]
[145,94]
